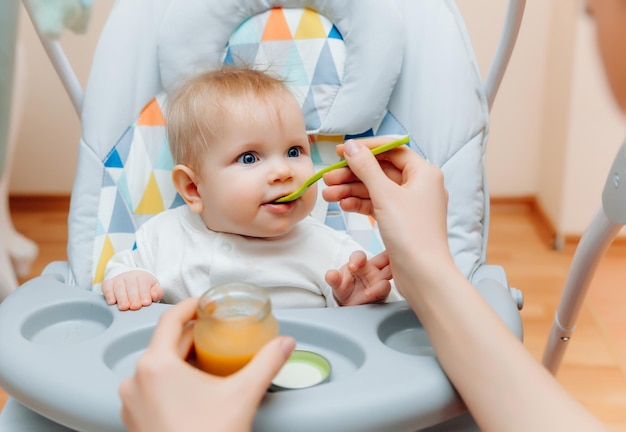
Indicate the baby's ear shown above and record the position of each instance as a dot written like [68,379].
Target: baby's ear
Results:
[185,181]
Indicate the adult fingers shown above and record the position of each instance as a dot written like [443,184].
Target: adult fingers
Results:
[258,374]
[345,176]
[172,328]
[339,177]
[365,166]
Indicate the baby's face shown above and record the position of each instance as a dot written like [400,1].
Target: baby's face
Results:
[263,154]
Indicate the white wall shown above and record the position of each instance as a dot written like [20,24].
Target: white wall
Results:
[513,148]
[552,107]
[595,133]
[48,128]
[555,128]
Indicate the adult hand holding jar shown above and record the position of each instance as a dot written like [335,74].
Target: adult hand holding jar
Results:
[167,393]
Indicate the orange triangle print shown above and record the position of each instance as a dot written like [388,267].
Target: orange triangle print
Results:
[151,115]
[276,27]
[372,220]
[310,26]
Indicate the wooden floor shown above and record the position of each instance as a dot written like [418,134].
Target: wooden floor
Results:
[594,368]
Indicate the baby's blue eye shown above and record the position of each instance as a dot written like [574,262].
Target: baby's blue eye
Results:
[294,152]
[247,158]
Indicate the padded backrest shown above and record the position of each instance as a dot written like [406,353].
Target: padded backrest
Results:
[419,77]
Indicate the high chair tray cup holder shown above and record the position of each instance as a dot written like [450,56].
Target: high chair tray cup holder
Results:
[64,352]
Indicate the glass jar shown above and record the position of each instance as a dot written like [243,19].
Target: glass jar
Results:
[234,322]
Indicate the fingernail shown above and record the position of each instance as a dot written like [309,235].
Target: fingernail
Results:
[351,148]
[287,345]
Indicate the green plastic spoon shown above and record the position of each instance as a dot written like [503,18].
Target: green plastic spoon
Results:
[318,175]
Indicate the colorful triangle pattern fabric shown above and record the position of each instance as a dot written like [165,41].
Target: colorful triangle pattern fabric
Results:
[136,184]
[303,47]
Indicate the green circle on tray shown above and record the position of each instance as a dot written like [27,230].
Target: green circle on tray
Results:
[303,369]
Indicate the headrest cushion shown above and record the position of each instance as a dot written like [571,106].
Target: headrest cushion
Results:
[196,35]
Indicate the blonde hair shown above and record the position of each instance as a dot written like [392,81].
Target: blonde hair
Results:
[197,107]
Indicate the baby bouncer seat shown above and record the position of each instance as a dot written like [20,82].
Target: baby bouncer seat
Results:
[358,68]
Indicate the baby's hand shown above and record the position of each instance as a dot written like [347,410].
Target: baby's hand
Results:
[361,281]
[132,290]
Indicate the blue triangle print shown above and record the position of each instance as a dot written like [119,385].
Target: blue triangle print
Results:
[335,222]
[334,217]
[325,70]
[164,159]
[334,33]
[121,221]
[122,188]
[311,117]
[390,126]
[108,180]
[244,54]
[228,58]
[123,144]
[374,247]
[246,33]
[113,160]
[294,72]
[178,201]
[334,207]
[99,228]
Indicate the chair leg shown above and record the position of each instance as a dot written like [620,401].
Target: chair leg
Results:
[17,252]
[8,281]
[20,252]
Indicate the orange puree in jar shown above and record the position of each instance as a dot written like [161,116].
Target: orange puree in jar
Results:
[234,322]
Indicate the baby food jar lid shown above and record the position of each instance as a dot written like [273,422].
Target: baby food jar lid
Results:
[303,369]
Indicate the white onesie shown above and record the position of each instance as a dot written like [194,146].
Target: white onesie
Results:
[187,258]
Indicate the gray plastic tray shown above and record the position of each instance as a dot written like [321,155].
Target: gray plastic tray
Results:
[63,353]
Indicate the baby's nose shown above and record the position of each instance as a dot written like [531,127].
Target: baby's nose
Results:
[281,172]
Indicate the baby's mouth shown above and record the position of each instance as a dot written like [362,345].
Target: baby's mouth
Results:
[273,201]
[274,206]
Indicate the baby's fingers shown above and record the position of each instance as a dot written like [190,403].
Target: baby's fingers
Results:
[358,259]
[374,293]
[157,292]
[107,291]
[377,292]
[333,279]
[341,291]
[121,295]
[135,294]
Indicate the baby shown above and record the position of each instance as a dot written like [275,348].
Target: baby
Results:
[239,142]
